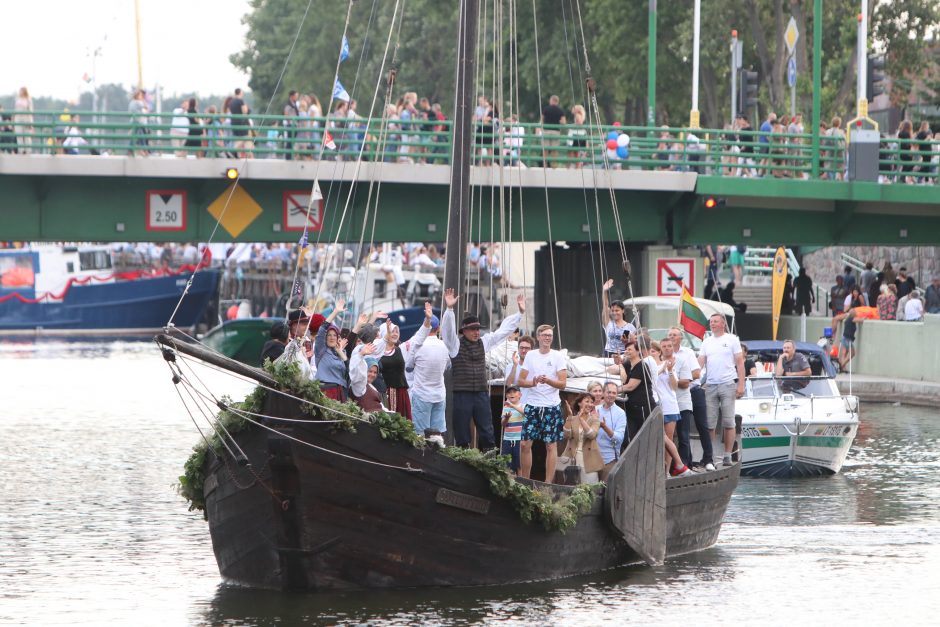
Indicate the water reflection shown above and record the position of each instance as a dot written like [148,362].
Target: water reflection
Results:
[581,600]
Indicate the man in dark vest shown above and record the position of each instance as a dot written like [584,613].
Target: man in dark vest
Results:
[471,400]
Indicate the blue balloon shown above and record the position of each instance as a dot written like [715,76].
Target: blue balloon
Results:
[622,152]
[613,135]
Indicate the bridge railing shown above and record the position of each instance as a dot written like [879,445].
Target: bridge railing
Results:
[715,152]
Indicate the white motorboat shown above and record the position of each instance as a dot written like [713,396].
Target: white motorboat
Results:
[793,426]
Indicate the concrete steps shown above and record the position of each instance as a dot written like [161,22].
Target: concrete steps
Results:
[759,298]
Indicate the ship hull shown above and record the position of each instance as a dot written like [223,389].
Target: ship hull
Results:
[140,305]
[350,515]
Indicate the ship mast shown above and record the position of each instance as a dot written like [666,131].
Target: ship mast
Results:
[458,206]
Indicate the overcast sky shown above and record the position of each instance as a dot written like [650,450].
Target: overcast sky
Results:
[48,45]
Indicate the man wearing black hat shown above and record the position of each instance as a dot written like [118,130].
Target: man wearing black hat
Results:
[468,359]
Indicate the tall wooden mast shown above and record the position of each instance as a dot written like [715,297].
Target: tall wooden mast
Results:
[458,206]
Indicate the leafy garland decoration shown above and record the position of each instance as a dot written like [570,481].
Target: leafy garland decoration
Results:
[532,504]
[392,426]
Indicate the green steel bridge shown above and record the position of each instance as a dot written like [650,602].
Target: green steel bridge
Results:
[107,177]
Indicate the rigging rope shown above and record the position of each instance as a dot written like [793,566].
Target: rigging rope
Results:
[234,185]
[548,215]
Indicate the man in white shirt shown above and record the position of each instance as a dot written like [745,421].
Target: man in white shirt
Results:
[545,372]
[723,360]
[613,427]
[428,359]
[688,375]
[514,368]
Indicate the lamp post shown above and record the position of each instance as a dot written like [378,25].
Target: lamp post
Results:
[697,25]
[651,68]
[817,81]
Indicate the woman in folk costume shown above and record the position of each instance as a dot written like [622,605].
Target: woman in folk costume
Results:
[581,432]
[392,366]
[363,370]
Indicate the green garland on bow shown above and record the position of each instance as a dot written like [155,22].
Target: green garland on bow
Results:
[320,407]
[532,504]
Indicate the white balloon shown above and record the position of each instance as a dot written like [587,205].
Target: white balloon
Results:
[612,154]
[623,140]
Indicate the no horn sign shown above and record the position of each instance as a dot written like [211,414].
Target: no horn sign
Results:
[672,274]
[295,211]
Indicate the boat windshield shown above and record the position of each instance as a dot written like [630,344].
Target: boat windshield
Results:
[798,386]
[16,271]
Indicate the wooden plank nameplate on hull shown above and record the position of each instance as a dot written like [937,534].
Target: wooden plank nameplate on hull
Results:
[636,492]
[462,501]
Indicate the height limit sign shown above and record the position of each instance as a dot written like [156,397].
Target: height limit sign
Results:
[166,210]
[672,274]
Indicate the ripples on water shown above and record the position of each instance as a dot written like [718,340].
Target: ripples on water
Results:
[92,531]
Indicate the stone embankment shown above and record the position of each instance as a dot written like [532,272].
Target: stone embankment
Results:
[922,262]
[882,390]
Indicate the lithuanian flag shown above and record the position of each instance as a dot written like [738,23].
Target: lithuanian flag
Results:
[691,317]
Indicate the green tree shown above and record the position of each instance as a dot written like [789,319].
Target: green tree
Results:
[424,44]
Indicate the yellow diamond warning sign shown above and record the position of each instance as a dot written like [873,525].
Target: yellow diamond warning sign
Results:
[791,35]
[240,212]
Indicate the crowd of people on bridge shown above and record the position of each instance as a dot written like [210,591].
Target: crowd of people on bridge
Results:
[417,131]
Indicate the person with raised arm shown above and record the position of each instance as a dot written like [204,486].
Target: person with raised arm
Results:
[426,357]
[392,367]
[615,326]
[468,357]
[330,352]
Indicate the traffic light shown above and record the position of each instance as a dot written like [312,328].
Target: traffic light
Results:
[712,203]
[875,81]
[747,97]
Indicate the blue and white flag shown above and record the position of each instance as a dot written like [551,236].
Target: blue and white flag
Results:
[344,50]
[339,92]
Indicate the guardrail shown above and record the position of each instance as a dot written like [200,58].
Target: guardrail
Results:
[706,151]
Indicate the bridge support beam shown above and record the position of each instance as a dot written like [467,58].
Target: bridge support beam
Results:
[843,210]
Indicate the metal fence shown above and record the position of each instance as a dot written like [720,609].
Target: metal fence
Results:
[713,152]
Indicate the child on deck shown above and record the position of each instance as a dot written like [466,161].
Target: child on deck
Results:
[513,416]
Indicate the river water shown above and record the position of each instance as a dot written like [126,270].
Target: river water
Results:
[93,533]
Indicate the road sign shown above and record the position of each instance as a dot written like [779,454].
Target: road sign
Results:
[791,35]
[673,273]
[791,72]
[295,211]
[166,209]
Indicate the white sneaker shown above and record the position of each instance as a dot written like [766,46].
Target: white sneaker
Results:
[709,467]
[436,440]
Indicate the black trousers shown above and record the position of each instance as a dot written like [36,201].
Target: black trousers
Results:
[700,415]
[636,416]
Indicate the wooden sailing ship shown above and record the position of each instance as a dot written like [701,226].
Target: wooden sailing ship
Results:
[310,507]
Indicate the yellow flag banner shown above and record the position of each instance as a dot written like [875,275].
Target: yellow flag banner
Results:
[779,281]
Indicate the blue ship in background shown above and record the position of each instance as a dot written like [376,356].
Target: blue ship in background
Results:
[72,290]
